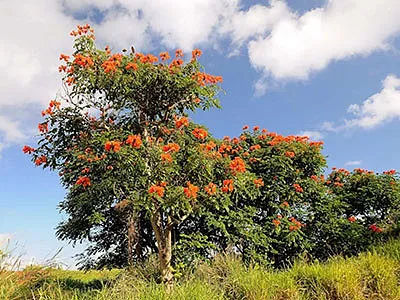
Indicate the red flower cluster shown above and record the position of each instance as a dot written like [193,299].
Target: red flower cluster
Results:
[40,160]
[111,64]
[178,53]
[158,189]
[289,154]
[134,140]
[182,121]
[83,180]
[276,222]
[196,53]
[191,190]
[131,66]
[43,127]
[237,165]
[390,172]
[112,146]
[259,182]
[83,61]
[298,188]
[297,225]
[211,188]
[28,149]
[172,147]
[166,157]
[200,133]
[83,30]
[227,186]
[375,228]
[204,78]
[352,219]
[255,147]
[164,56]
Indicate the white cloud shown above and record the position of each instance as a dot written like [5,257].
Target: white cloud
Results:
[175,23]
[313,135]
[353,163]
[379,108]
[299,45]
[258,20]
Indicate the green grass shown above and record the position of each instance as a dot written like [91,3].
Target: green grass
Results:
[371,275]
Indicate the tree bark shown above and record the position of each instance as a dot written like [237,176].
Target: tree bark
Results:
[164,243]
[133,237]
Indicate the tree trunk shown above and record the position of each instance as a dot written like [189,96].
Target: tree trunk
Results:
[133,237]
[164,244]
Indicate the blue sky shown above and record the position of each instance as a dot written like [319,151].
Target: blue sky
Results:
[329,69]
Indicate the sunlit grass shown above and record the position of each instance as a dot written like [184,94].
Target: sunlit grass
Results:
[372,275]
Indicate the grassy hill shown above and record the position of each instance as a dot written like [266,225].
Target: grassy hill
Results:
[371,275]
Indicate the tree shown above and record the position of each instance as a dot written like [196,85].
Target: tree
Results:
[127,153]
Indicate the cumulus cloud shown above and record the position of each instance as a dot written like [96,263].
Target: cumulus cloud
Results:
[299,45]
[257,20]
[282,44]
[313,135]
[379,108]
[353,163]
[34,34]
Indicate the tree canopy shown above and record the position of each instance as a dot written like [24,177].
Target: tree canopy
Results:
[142,178]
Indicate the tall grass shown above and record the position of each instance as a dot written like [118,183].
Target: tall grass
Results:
[371,275]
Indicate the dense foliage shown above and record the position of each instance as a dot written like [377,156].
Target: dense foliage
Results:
[141,178]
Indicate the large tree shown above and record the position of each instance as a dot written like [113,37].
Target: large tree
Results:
[127,153]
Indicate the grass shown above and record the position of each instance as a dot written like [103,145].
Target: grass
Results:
[371,275]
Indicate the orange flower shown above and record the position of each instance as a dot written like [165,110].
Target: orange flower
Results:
[289,154]
[255,147]
[134,140]
[28,149]
[211,188]
[298,188]
[70,80]
[314,177]
[64,57]
[158,189]
[164,56]
[245,127]
[40,160]
[352,219]
[166,157]
[227,186]
[83,180]
[54,103]
[183,121]
[112,146]
[390,172]
[172,147]
[196,53]
[285,204]
[200,133]
[191,190]
[276,222]
[62,68]
[256,128]
[259,182]
[375,228]
[43,127]
[237,165]
[132,66]
[178,53]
